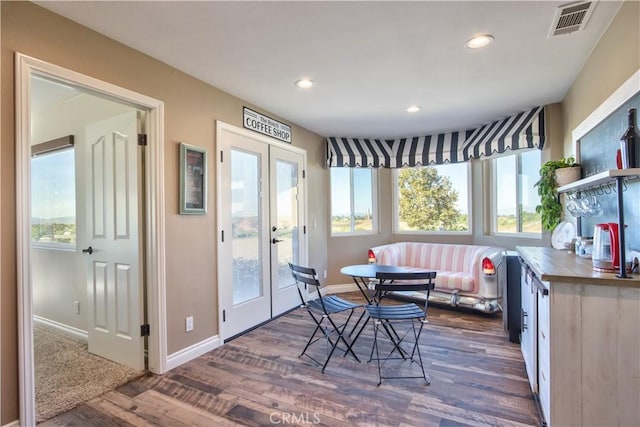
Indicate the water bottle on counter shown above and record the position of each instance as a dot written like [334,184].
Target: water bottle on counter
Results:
[630,143]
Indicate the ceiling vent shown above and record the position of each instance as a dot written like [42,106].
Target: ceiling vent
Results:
[571,17]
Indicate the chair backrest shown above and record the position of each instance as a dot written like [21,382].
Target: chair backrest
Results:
[410,281]
[304,276]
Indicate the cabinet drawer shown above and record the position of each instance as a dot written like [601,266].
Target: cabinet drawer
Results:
[543,318]
[544,390]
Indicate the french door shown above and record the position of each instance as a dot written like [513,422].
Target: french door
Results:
[260,215]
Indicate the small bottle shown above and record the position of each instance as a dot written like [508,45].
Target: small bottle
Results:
[630,143]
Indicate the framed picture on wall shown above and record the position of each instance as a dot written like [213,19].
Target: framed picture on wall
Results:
[193,180]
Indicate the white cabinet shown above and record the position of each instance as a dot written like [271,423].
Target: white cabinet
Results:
[580,341]
[528,339]
[544,355]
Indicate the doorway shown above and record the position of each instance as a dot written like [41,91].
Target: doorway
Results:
[109,197]
[261,217]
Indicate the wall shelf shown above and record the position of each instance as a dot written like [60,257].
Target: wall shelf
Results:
[602,178]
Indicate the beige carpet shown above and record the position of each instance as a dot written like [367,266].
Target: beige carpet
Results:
[67,374]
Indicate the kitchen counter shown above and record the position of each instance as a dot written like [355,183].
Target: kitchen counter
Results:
[552,265]
[580,340]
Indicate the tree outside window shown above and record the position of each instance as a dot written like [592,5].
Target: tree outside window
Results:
[432,199]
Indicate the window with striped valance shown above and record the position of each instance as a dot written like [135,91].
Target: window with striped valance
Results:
[519,131]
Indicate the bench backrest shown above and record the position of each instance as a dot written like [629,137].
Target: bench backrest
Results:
[444,257]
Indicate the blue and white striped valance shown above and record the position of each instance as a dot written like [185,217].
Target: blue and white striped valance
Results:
[522,130]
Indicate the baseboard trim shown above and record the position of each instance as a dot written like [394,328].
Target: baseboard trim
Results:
[15,423]
[339,289]
[62,327]
[196,350]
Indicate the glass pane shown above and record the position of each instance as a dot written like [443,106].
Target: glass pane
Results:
[362,200]
[286,219]
[245,217]
[530,173]
[53,198]
[506,195]
[340,200]
[433,198]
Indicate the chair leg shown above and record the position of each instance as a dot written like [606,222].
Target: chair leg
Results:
[318,326]
[340,332]
[396,340]
[375,344]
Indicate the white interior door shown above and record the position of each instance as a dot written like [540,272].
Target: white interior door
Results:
[114,285]
[287,233]
[260,211]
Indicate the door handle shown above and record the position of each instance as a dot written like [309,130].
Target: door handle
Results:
[89,250]
[274,240]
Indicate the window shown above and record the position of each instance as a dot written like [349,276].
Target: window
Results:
[432,199]
[353,201]
[53,199]
[514,196]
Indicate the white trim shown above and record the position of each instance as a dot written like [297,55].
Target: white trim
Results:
[339,289]
[611,104]
[155,243]
[61,327]
[189,353]
[15,423]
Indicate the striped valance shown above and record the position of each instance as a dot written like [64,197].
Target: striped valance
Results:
[522,130]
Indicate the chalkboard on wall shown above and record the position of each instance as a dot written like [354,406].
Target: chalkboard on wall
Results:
[597,153]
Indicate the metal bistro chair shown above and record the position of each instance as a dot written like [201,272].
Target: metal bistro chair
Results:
[405,318]
[323,310]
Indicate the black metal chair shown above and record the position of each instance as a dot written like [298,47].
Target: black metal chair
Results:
[324,311]
[388,319]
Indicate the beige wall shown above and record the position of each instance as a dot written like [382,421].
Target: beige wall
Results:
[191,109]
[612,62]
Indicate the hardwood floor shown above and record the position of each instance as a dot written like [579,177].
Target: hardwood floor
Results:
[477,378]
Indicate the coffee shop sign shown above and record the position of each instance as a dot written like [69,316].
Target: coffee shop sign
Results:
[266,125]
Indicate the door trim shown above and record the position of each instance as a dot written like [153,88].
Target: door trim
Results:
[225,127]
[154,261]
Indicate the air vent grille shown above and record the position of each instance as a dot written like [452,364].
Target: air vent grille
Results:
[571,17]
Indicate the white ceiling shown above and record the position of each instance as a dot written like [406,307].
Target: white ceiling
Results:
[370,60]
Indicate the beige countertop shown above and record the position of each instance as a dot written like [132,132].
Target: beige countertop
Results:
[552,265]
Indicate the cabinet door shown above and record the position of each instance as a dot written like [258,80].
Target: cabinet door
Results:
[528,338]
[544,355]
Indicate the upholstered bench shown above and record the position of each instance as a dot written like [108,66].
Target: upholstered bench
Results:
[467,275]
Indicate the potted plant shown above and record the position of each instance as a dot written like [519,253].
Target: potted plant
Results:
[550,208]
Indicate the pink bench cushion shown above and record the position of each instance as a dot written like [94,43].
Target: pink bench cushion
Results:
[456,265]
[450,279]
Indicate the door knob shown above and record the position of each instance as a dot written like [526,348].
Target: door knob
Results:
[89,250]
[274,240]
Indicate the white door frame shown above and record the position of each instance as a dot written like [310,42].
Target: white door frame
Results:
[225,127]
[154,262]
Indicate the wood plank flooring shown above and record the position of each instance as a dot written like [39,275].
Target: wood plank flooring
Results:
[477,378]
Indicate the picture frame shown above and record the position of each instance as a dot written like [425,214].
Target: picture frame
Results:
[193,180]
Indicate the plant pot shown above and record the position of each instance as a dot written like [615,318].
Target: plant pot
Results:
[566,176]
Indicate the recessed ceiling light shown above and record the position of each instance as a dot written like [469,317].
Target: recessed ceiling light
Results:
[414,109]
[305,83]
[481,40]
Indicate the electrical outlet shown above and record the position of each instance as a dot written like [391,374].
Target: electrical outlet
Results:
[189,324]
[76,307]
[325,274]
